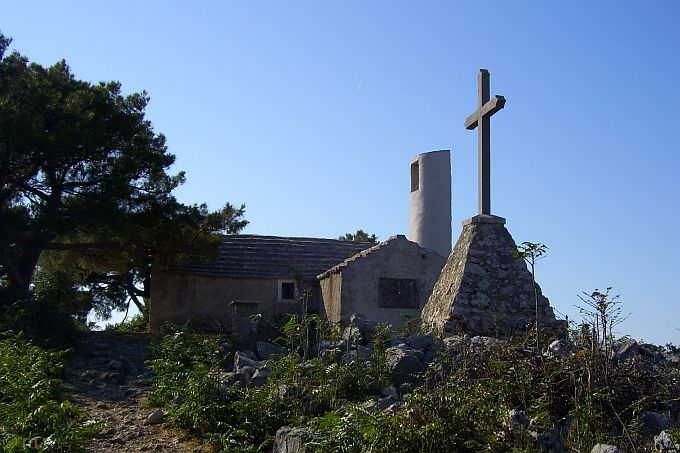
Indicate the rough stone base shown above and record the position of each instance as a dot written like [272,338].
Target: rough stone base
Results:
[483,289]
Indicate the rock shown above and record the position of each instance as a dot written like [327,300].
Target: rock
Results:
[260,377]
[35,443]
[652,354]
[390,392]
[558,348]
[266,350]
[664,443]
[455,344]
[548,440]
[365,352]
[624,350]
[156,417]
[516,420]
[398,340]
[366,326]
[115,365]
[292,440]
[352,336]
[655,422]
[245,359]
[480,343]
[420,341]
[404,364]
[330,354]
[324,345]
[605,448]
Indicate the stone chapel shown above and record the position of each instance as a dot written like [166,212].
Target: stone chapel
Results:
[478,288]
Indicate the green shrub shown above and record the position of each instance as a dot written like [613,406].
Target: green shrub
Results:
[30,406]
[138,323]
[40,320]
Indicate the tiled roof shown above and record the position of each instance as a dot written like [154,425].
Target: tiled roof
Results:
[250,255]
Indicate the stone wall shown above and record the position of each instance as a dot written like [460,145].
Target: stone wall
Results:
[204,301]
[354,285]
[483,289]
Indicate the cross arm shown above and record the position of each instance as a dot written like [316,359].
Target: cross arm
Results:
[492,106]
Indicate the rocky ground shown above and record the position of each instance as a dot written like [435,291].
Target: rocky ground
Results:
[107,377]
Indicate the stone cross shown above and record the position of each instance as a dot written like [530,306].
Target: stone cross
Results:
[481,120]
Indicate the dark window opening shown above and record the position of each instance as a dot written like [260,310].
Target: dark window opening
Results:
[415,176]
[398,293]
[288,290]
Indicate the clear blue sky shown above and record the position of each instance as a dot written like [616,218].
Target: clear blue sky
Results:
[309,112]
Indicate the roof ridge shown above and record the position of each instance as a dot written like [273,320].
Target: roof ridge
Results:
[360,255]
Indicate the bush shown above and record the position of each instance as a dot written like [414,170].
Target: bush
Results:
[39,319]
[30,407]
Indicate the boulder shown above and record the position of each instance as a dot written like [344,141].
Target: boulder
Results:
[455,344]
[245,359]
[390,392]
[352,337]
[605,448]
[404,364]
[664,443]
[260,377]
[266,350]
[548,440]
[558,348]
[365,325]
[480,343]
[292,440]
[398,340]
[421,342]
[624,350]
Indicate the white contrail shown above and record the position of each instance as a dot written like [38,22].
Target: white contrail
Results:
[359,85]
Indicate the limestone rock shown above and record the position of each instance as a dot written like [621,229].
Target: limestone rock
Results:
[245,359]
[266,350]
[156,417]
[558,348]
[366,326]
[292,440]
[516,420]
[605,448]
[352,336]
[624,350]
[664,443]
[404,364]
[483,289]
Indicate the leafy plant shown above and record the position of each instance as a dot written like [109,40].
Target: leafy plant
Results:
[30,405]
[531,252]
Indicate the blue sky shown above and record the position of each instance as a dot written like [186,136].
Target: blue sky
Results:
[310,112]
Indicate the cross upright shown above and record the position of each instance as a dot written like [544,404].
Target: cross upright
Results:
[481,120]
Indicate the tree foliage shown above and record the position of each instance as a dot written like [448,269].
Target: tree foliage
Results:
[85,194]
[359,236]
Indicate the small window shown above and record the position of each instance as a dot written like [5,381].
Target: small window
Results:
[415,176]
[398,293]
[287,291]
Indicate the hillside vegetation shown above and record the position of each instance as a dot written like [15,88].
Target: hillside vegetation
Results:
[370,390]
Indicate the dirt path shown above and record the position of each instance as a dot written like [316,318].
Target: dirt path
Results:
[107,377]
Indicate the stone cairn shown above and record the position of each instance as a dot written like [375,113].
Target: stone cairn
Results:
[483,289]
